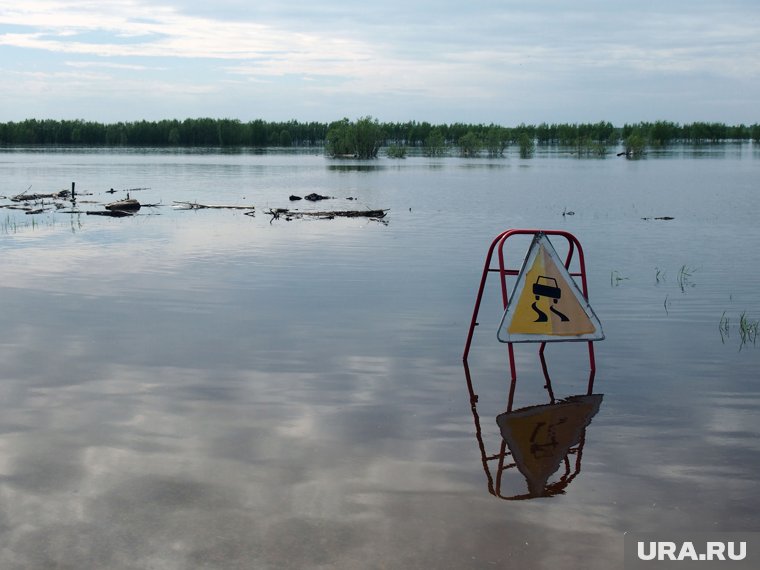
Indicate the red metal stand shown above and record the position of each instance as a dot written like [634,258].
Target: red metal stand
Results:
[503,271]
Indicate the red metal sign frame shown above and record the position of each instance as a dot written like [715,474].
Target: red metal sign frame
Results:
[503,272]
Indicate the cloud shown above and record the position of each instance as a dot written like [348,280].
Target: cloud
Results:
[444,56]
[107,65]
[64,27]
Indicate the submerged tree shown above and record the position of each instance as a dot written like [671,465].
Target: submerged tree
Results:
[396,151]
[435,144]
[470,144]
[341,139]
[527,145]
[361,139]
[496,140]
[369,137]
[755,132]
[635,145]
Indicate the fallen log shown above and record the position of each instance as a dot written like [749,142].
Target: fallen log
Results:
[327,215]
[35,197]
[14,207]
[196,206]
[111,213]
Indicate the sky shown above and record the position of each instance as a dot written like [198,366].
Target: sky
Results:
[443,61]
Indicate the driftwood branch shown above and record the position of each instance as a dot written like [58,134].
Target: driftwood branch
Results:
[34,197]
[110,213]
[196,206]
[276,213]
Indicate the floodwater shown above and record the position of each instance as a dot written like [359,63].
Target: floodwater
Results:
[207,389]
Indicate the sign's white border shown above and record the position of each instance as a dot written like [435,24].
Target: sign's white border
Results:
[503,332]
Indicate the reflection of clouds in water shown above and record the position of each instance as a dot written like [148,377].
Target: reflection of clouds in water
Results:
[97,262]
[176,466]
[734,417]
[144,469]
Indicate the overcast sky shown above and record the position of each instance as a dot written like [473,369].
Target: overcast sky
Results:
[441,61]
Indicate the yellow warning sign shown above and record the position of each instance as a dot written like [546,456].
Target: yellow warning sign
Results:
[546,304]
[540,437]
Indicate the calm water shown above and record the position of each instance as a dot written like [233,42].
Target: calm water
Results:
[206,389]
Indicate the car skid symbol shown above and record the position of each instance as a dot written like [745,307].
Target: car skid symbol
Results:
[542,288]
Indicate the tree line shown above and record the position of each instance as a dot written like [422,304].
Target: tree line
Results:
[202,132]
[340,136]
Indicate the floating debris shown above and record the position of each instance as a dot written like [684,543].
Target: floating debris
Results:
[35,197]
[276,213]
[314,197]
[111,213]
[660,218]
[178,205]
[127,205]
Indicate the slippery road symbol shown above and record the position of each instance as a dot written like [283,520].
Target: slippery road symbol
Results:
[543,288]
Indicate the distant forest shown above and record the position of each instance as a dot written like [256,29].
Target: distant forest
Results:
[207,132]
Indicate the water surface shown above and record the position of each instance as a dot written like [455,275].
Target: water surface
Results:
[187,389]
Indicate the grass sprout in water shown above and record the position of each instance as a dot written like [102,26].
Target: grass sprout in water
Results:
[11,226]
[723,327]
[616,278]
[684,277]
[748,329]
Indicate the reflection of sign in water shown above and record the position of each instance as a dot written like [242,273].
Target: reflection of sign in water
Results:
[546,304]
[540,437]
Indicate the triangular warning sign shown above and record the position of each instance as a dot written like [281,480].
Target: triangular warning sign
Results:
[540,437]
[546,304]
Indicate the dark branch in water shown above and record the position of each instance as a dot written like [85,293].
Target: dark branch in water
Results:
[110,213]
[276,213]
[196,206]
[34,197]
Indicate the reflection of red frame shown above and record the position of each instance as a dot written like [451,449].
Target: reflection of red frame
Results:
[504,271]
[552,489]
[572,469]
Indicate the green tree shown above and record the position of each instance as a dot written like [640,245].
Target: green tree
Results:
[174,136]
[361,139]
[396,151]
[496,140]
[369,137]
[527,145]
[470,144]
[435,144]
[635,145]
[754,131]
[341,139]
